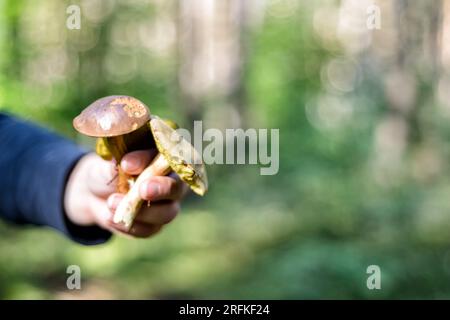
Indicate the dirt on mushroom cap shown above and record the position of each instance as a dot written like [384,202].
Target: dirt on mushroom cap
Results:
[133,107]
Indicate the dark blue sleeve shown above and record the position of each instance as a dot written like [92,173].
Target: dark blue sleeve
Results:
[34,168]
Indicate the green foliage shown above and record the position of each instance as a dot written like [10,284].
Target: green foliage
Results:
[308,232]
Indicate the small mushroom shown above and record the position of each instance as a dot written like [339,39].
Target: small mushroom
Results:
[176,154]
[119,123]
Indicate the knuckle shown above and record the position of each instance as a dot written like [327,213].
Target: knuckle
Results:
[167,186]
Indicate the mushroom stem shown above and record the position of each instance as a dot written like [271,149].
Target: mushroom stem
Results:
[131,203]
[118,148]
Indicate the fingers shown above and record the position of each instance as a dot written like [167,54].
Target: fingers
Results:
[158,213]
[137,230]
[133,163]
[150,219]
[141,230]
[162,188]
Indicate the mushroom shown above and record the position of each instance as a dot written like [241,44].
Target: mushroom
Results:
[119,123]
[175,153]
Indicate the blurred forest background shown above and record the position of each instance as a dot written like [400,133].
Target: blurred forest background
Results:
[364,119]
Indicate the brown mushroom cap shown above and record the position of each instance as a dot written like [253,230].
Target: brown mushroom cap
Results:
[112,116]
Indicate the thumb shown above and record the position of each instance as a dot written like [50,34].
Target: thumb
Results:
[102,177]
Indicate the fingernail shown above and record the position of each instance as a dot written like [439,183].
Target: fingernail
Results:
[151,190]
[131,163]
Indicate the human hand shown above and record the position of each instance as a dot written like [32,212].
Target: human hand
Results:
[90,196]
